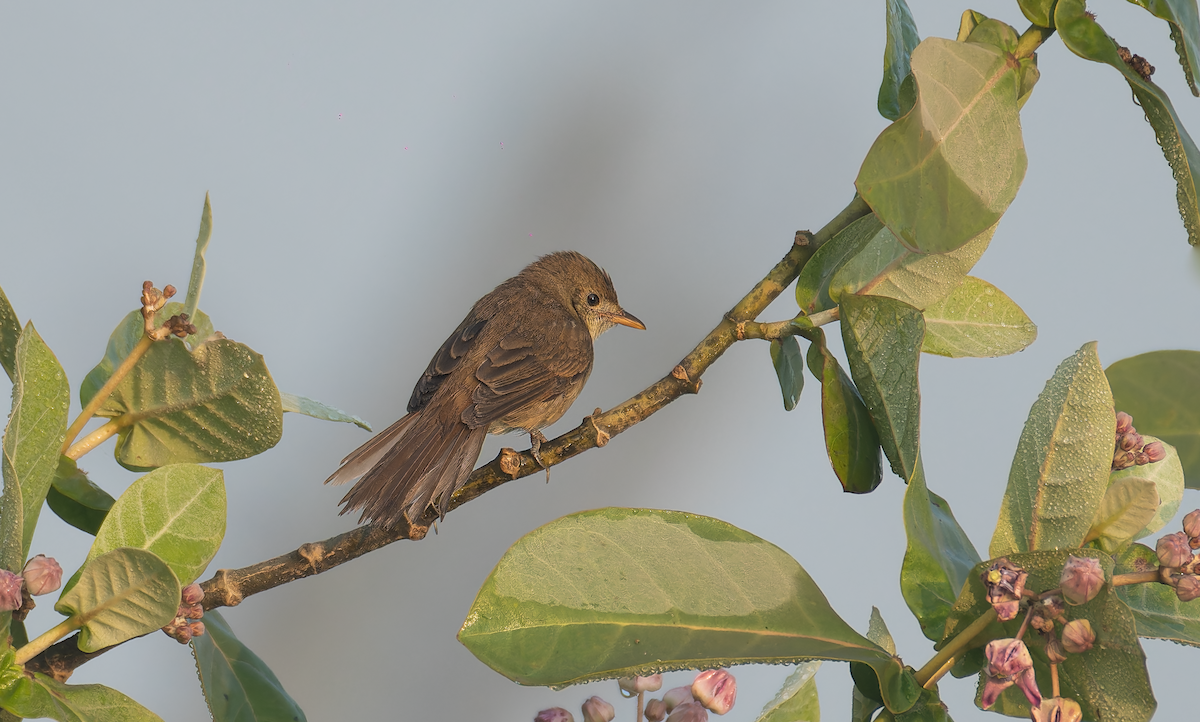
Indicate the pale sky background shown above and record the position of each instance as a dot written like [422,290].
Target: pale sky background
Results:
[376,167]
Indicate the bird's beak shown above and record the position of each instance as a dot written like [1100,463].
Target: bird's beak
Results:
[626,318]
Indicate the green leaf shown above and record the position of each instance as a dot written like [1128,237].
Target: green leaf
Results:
[1127,506]
[990,31]
[76,500]
[1167,476]
[120,595]
[1084,36]
[861,707]
[902,37]
[37,696]
[948,170]
[588,597]
[812,286]
[967,23]
[1158,612]
[1038,12]
[1182,18]
[1060,471]
[851,441]
[217,403]
[938,558]
[238,685]
[35,432]
[177,512]
[929,708]
[318,410]
[797,700]
[884,267]
[1109,681]
[883,339]
[126,335]
[1161,391]
[789,368]
[10,331]
[976,320]
[196,282]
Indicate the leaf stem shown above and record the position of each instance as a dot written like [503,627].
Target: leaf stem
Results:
[958,644]
[43,642]
[1031,40]
[1121,580]
[143,345]
[797,326]
[1054,680]
[93,440]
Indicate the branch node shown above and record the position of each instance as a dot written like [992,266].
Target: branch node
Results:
[228,590]
[680,373]
[313,553]
[803,238]
[510,462]
[602,436]
[741,330]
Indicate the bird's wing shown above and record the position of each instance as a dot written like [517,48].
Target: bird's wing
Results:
[529,366]
[444,362]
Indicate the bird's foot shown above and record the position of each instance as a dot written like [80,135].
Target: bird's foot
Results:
[536,438]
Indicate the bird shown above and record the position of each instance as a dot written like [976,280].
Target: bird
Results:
[515,363]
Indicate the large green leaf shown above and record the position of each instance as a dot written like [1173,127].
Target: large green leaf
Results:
[1167,476]
[36,427]
[177,512]
[902,37]
[318,410]
[37,696]
[76,500]
[947,171]
[861,706]
[1109,681]
[126,335]
[976,320]
[1158,612]
[938,558]
[885,267]
[238,685]
[812,286]
[1084,36]
[1184,22]
[217,403]
[1128,506]
[1039,12]
[1161,391]
[10,331]
[788,361]
[120,595]
[797,700]
[1060,471]
[851,441]
[883,346]
[591,596]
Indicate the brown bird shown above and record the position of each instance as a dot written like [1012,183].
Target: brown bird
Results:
[515,363]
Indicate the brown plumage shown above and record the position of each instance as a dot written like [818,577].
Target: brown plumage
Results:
[516,362]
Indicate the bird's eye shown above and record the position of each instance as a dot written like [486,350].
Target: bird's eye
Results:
[593,299]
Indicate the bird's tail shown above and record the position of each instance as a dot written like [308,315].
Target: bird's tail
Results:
[415,462]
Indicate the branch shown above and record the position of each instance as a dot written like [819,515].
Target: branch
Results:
[228,587]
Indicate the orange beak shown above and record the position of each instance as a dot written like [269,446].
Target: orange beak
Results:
[627,319]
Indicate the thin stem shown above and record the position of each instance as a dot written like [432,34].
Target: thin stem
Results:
[640,707]
[93,440]
[1054,680]
[42,643]
[1031,40]
[797,326]
[143,345]
[958,644]
[933,679]
[1120,580]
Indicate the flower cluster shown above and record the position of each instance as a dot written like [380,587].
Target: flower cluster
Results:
[1178,565]
[713,690]
[41,575]
[186,623]
[1131,448]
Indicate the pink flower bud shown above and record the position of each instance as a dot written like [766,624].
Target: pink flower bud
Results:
[1055,652]
[689,712]
[1077,636]
[1188,588]
[597,710]
[1081,580]
[1006,611]
[716,689]
[1057,710]
[656,710]
[42,575]
[637,685]
[1131,441]
[192,594]
[677,696]
[554,714]
[1174,550]
[1154,451]
[196,628]
[1009,663]
[10,591]
[1191,524]
[1124,423]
